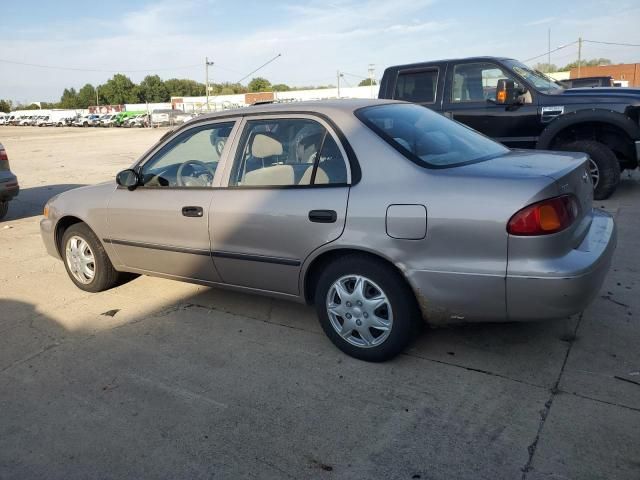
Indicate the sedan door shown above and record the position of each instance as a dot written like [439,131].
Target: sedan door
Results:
[162,226]
[286,195]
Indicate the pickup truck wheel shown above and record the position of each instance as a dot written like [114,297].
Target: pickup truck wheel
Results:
[603,166]
[4,208]
[86,261]
[365,308]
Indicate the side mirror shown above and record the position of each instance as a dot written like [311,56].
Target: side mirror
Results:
[506,92]
[128,178]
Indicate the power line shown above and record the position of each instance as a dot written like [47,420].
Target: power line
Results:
[551,51]
[614,43]
[76,69]
[260,67]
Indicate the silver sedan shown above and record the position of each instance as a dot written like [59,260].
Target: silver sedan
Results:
[380,213]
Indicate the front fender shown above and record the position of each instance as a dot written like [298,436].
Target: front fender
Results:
[626,124]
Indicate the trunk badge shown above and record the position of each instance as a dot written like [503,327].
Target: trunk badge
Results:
[585,177]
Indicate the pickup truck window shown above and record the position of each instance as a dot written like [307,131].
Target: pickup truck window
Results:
[539,80]
[427,138]
[416,86]
[476,82]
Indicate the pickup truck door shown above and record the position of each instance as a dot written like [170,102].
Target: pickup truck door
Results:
[468,98]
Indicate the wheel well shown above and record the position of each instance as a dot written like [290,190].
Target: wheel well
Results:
[612,136]
[318,264]
[61,227]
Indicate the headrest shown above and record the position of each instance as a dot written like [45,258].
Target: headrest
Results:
[264,146]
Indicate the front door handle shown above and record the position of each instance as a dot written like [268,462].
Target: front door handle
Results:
[192,211]
[323,216]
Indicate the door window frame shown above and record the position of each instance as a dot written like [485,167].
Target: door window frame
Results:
[172,135]
[238,137]
[432,68]
[448,86]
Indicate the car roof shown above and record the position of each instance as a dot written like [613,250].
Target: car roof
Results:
[324,107]
[449,60]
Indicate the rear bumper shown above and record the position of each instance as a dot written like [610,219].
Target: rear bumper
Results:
[9,189]
[572,285]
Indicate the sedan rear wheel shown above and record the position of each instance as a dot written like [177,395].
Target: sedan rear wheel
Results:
[86,261]
[365,308]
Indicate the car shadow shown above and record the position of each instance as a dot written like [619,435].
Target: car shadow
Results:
[30,201]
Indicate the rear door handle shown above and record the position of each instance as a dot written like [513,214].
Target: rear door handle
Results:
[192,211]
[323,216]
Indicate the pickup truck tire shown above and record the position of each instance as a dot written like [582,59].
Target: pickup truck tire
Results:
[604,166]
[4,208]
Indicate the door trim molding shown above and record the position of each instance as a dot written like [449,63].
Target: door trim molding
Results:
[215,253]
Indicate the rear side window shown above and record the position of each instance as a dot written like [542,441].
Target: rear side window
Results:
[427,138]
[287,152]
[417,86]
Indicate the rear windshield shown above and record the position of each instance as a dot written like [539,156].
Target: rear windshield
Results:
[427,138]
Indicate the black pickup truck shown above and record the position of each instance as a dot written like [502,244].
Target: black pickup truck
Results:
[523,108]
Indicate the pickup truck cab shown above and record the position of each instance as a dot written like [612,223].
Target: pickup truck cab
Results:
[523,108]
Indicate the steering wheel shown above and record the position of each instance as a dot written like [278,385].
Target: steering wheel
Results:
[191,181]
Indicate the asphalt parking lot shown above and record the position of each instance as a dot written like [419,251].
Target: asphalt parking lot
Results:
[160,379]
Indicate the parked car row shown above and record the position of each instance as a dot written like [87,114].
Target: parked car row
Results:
[121,119]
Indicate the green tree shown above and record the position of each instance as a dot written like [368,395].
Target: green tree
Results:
[594,62]
[5,106]
[545,67]
[118,90]
[153,90]
[182,87]
[69,98]
[280,87]
[366,82]
[86,96]
[259,84]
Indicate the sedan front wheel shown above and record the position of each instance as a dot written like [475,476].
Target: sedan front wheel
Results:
[86,261]
[365,308]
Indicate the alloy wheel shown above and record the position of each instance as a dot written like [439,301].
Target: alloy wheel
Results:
[80,260]
[359,311]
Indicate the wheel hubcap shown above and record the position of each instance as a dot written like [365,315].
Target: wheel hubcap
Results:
[80,260]
[594,171]
[359,311]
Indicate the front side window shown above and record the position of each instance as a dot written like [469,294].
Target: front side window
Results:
[287,152]
[417,86]
[189,160]
[476,82]
[427,138]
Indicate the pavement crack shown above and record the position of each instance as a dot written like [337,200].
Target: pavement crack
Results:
[608,297]
[544,413]
[471,369]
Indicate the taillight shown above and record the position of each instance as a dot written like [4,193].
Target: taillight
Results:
[545,217]
[3,155]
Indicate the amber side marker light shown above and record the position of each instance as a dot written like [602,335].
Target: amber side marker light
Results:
[46,211]
[543,218]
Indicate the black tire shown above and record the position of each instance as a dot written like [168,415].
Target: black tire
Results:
[4,208]
[604,160]
[406,314]
[105,276]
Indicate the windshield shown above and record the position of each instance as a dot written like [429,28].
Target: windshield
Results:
[428,138]
[538,79]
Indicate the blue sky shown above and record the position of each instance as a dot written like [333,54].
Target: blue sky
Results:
[315,38]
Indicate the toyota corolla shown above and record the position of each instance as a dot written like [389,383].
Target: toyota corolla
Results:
[379,213]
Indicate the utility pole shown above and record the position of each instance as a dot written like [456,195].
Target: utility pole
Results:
[338,74]
[579,55]
[371,77]
[97,99]
[549,50]
[207,64]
